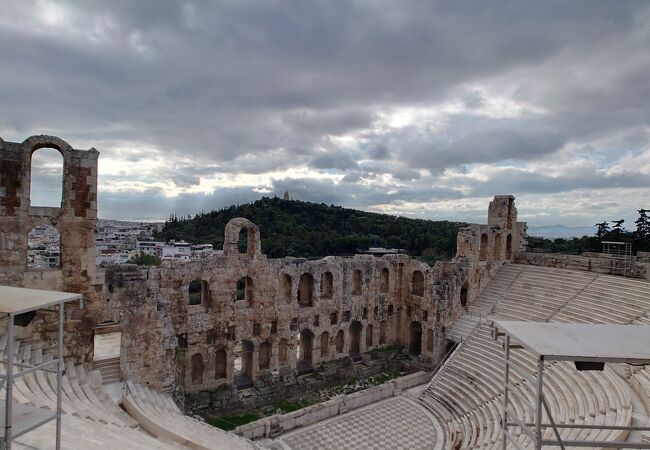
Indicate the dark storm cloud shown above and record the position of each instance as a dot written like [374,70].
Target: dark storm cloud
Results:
[252,87]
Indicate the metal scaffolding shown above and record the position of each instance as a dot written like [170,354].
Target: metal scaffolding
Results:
[587,345]
[19,305]
[620,254]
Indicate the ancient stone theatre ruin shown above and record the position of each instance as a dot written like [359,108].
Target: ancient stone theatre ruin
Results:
[237,330]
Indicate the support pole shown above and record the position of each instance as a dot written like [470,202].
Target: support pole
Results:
[506,381]
[10,382]
[59,375]
[538,400]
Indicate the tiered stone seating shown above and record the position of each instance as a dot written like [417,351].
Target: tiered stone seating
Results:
[91,419]
[466,395]
[485,302]
[160,416]
[538,293]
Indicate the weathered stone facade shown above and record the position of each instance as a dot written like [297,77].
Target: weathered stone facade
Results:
[191,323]
[75,221]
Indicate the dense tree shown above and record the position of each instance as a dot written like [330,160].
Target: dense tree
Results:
[312,230]
[142,259]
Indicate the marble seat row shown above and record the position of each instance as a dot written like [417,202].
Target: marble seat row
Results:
[159,415]
[466,395]
[90,419]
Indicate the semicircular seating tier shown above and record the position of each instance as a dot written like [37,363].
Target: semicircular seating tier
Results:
[93,420]
[466,394]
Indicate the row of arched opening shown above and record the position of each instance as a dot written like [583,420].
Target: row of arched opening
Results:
[497,247]
[326,287]
[244,350]
[199,290]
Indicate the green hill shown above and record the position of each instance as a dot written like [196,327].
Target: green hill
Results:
[313,230]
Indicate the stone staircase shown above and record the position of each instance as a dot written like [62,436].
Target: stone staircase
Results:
[462,328]
[109,368]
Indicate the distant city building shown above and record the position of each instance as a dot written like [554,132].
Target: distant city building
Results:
[381,251]
[177,251]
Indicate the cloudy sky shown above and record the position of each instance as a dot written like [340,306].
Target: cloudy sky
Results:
[417,108]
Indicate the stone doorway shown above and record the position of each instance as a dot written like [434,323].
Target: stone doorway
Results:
[415,347]
[355,340]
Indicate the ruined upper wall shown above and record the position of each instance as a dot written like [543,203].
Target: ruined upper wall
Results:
[501,240]
[75,220]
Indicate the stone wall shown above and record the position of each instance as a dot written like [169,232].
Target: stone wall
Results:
[75,220]
[237,317]
[639,266]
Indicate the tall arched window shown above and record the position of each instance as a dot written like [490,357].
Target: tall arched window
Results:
[198,292]
[305,289]
[324,345]
[46,182]
[326,285]
[244,290]
[509,247]
[197,368]
[418,283]
[340,340]
[357,282]
[220,364]
[264,357]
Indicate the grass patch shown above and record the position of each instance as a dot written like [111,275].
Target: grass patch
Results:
[229,423]
[286,406]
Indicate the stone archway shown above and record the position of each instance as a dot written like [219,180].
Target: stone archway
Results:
[415,345]
[355,340]
[305,348]
[232,236]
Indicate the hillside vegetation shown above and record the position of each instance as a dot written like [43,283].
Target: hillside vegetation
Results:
[313,230]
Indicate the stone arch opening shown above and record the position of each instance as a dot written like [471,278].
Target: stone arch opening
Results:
[283,351]
[326,285]
[244,290]
[241,232]
[264,356]
[220,364]
[484,247]
[382,332]
[463,294]
[242,241]
[46,177]
[384,279]
[305,289]
[43,248]
[324,345]
[369,336]
[496,249]
[357,282]
[415,346]
[198,292]
[305,351]
[355,340]
[417,280]
[244,364]
[340,341]
[197,368]
[509,247]
[287,287]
